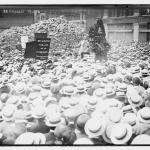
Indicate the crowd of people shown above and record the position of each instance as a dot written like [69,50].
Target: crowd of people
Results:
[74,101]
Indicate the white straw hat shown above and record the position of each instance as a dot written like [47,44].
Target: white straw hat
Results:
[143,115]
[95,127]
[143,139]
[121,133]
[83,141]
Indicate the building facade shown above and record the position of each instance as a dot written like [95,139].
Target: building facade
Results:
[122,22]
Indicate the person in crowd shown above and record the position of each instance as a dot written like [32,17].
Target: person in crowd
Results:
[73,101]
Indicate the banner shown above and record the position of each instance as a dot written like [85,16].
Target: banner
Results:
[40,35]
[43,48]
[24,40]
[30,51]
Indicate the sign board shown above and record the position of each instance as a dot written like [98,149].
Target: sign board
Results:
[43,48]
[24,40]
[40,35]
[30,51]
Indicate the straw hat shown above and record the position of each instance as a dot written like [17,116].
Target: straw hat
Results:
[36,80]
[122,87]
[8,112]
[80,89]
[110,78]
[20,88]
[53,120]
[95,127]
[68,90]
[129,118]
[32,96]
[98,78]
[44,94]
[73,101]
[143,115]
[127,109]
[15,100]
[38,112]
[36,102]
[110,85]
[107,134]
[114,115]
[104,80]
[39,138]
[136,100]
[136,70]
[46,84]
[144,72]
[52,108]
[102,85]
[86,77]
[64,103]
[83,141]
[4,97]
[98,93]
[113,103]
[121,96]
[142,139]
[25,139]
[54,79]
[50,100]
[36,88]
[110,92]
[121,133]
[91,103]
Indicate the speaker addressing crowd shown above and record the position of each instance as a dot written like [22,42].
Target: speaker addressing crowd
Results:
[98,42]
[68,100]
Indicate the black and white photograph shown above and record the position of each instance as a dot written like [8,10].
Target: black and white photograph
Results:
[74,75]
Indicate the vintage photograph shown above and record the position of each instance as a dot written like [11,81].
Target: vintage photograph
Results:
[75,75]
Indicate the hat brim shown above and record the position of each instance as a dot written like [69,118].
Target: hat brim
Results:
[40,137]
[106,138]
[92,135]
[7,119]
[53,124]
[111,94]
[124,140]
[138,104]
[141,119]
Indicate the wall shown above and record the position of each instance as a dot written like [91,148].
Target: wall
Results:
[15,20]
[120,32]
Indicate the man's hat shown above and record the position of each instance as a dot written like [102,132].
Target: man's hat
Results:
[143,115]
[121,133]
[142,139]
[8,112]
[83,141]
[39,112]
[129,118]
[53,120]
[107,134]
[95,127]
[114,115]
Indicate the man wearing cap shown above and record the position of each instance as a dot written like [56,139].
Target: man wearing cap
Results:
[10,128]
[39,121]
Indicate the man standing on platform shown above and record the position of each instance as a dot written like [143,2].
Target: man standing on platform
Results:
[98,41]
